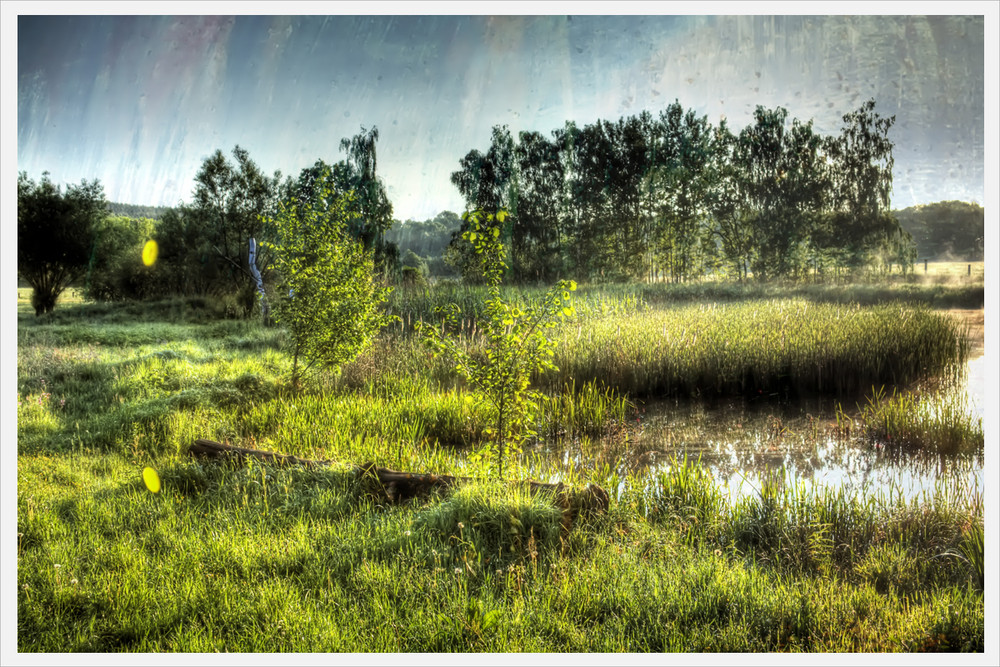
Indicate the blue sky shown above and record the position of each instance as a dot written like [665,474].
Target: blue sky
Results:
[140,101]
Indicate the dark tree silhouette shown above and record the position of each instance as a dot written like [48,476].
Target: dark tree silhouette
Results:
[55,235]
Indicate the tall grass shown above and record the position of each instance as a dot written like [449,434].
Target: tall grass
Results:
[784,348]
[257,558]
[942,423]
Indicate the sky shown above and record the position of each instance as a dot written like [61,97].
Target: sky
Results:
[139,102]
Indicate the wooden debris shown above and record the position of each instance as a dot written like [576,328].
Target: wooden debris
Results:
[397,485]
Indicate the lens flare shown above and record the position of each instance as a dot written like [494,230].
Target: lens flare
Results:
[151,479]
[149,252]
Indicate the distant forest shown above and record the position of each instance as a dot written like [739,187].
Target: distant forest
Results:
[137,211]
[945,231]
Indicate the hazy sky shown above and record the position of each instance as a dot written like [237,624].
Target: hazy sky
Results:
[140,101]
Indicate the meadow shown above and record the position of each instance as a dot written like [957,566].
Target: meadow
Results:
[262,558]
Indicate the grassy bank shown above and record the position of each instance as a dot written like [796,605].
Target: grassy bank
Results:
[262,559]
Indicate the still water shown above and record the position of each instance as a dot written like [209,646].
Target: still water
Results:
[738,441]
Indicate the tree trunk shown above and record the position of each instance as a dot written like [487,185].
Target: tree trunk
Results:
[398,486]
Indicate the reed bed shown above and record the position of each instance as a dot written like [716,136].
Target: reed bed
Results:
[777,348]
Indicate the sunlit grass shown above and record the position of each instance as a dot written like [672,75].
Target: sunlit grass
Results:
[940,422]
[782,348]
[259,558]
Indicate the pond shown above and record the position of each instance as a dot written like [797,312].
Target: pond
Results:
[739,440]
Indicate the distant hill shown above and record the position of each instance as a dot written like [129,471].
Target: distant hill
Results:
[946,231]
[138,210]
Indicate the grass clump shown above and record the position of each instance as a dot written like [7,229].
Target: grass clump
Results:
[943,422]
[493,524]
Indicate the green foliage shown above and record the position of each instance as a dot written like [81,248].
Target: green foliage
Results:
[328,296]
[233,203]
[370,208]
[55,235]
[517,344]
[946,230]
[117,272]
[673,197]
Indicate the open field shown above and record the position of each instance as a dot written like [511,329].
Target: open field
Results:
[259,558]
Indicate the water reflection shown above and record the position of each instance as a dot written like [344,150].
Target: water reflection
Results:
[739,440]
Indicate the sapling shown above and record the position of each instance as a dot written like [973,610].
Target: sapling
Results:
[517,342]
[333,310]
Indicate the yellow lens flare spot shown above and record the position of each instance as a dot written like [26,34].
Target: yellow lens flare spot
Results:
[151,479]
[149,252]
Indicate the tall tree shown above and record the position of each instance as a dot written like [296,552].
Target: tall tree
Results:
[862,163]
[233,201]
[55,235]
[371,202]
[537,241]
[730,221]
[680,190]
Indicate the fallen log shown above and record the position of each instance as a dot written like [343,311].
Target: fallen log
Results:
[398,485]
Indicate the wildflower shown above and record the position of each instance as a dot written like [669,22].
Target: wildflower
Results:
[57,566]
[62,403]
[461,525]
[74,582]
[458,570]
[407,533]
[26,587]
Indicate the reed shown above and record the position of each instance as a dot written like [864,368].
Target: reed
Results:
[941,422]
[773,348]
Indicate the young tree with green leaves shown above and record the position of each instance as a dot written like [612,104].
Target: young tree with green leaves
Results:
[517,341]
[328,294]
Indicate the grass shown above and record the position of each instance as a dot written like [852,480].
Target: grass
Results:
[782,347]
[942,424]
[268,559]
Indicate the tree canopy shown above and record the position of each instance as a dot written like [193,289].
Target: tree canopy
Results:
[56,235]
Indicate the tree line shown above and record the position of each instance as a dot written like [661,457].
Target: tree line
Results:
[674,197]
[666,197]
[947,230]
[202,248]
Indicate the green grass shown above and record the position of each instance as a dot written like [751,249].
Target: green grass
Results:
[941,423]
[268,559]
[783,347]
[264,559]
